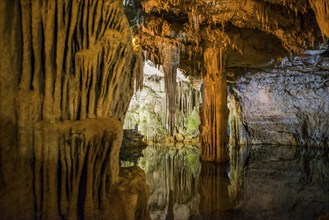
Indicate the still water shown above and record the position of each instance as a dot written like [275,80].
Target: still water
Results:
[260,182]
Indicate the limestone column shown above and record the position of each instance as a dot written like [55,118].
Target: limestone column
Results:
[215,111]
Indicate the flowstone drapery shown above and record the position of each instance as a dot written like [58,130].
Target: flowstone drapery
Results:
[214,112]
[67,77]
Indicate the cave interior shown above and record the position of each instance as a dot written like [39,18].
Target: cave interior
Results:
[164,109]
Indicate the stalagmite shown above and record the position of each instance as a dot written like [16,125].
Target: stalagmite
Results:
[215,112]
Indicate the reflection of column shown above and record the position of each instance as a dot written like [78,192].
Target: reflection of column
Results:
[173,178]
[170,210]
[215,112]
[213,183]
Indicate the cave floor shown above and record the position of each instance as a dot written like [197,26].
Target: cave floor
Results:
[259,182]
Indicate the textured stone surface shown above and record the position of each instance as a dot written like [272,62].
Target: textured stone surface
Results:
[288,105]
[68,70]
[214,108]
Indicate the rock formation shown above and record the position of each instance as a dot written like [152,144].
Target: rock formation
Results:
[132,145]
[67,75]
[251,33]
[69,69]
[287,105]
[214,112]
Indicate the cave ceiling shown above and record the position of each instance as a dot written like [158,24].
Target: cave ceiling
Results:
[253,32]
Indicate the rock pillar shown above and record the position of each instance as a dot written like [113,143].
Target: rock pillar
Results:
[215,112]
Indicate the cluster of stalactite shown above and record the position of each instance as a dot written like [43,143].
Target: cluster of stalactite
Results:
[214,110]
[188,99]
[72,46]
[76,62]
[170,65]
[274,17]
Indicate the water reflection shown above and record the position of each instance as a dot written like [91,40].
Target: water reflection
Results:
[262,182]
[173,175]
[214,196]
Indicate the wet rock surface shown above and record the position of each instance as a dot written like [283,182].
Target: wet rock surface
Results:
[288,105]
[132,145]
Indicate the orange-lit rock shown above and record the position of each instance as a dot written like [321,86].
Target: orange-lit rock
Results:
[214,112]
[321,9]
[67,75]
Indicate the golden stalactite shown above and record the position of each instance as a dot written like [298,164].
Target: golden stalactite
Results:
[214,112]
[321,9]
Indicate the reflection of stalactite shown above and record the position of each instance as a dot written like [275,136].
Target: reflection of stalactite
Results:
[238,145]
[170,65]
[214,197]
[170,210]
[75,176]
[174,175]
[215,112]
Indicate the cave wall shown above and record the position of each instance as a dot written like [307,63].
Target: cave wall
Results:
[285,106]
[67,76]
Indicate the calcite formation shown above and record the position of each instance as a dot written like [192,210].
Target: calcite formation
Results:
[252,33]
[148,107]
[214,109]
[68,70]
[321,9]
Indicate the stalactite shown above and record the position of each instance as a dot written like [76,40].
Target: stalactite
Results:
[170,65]
[238,133]
[194,19]
[214,112]
[86,43]
[321,9]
